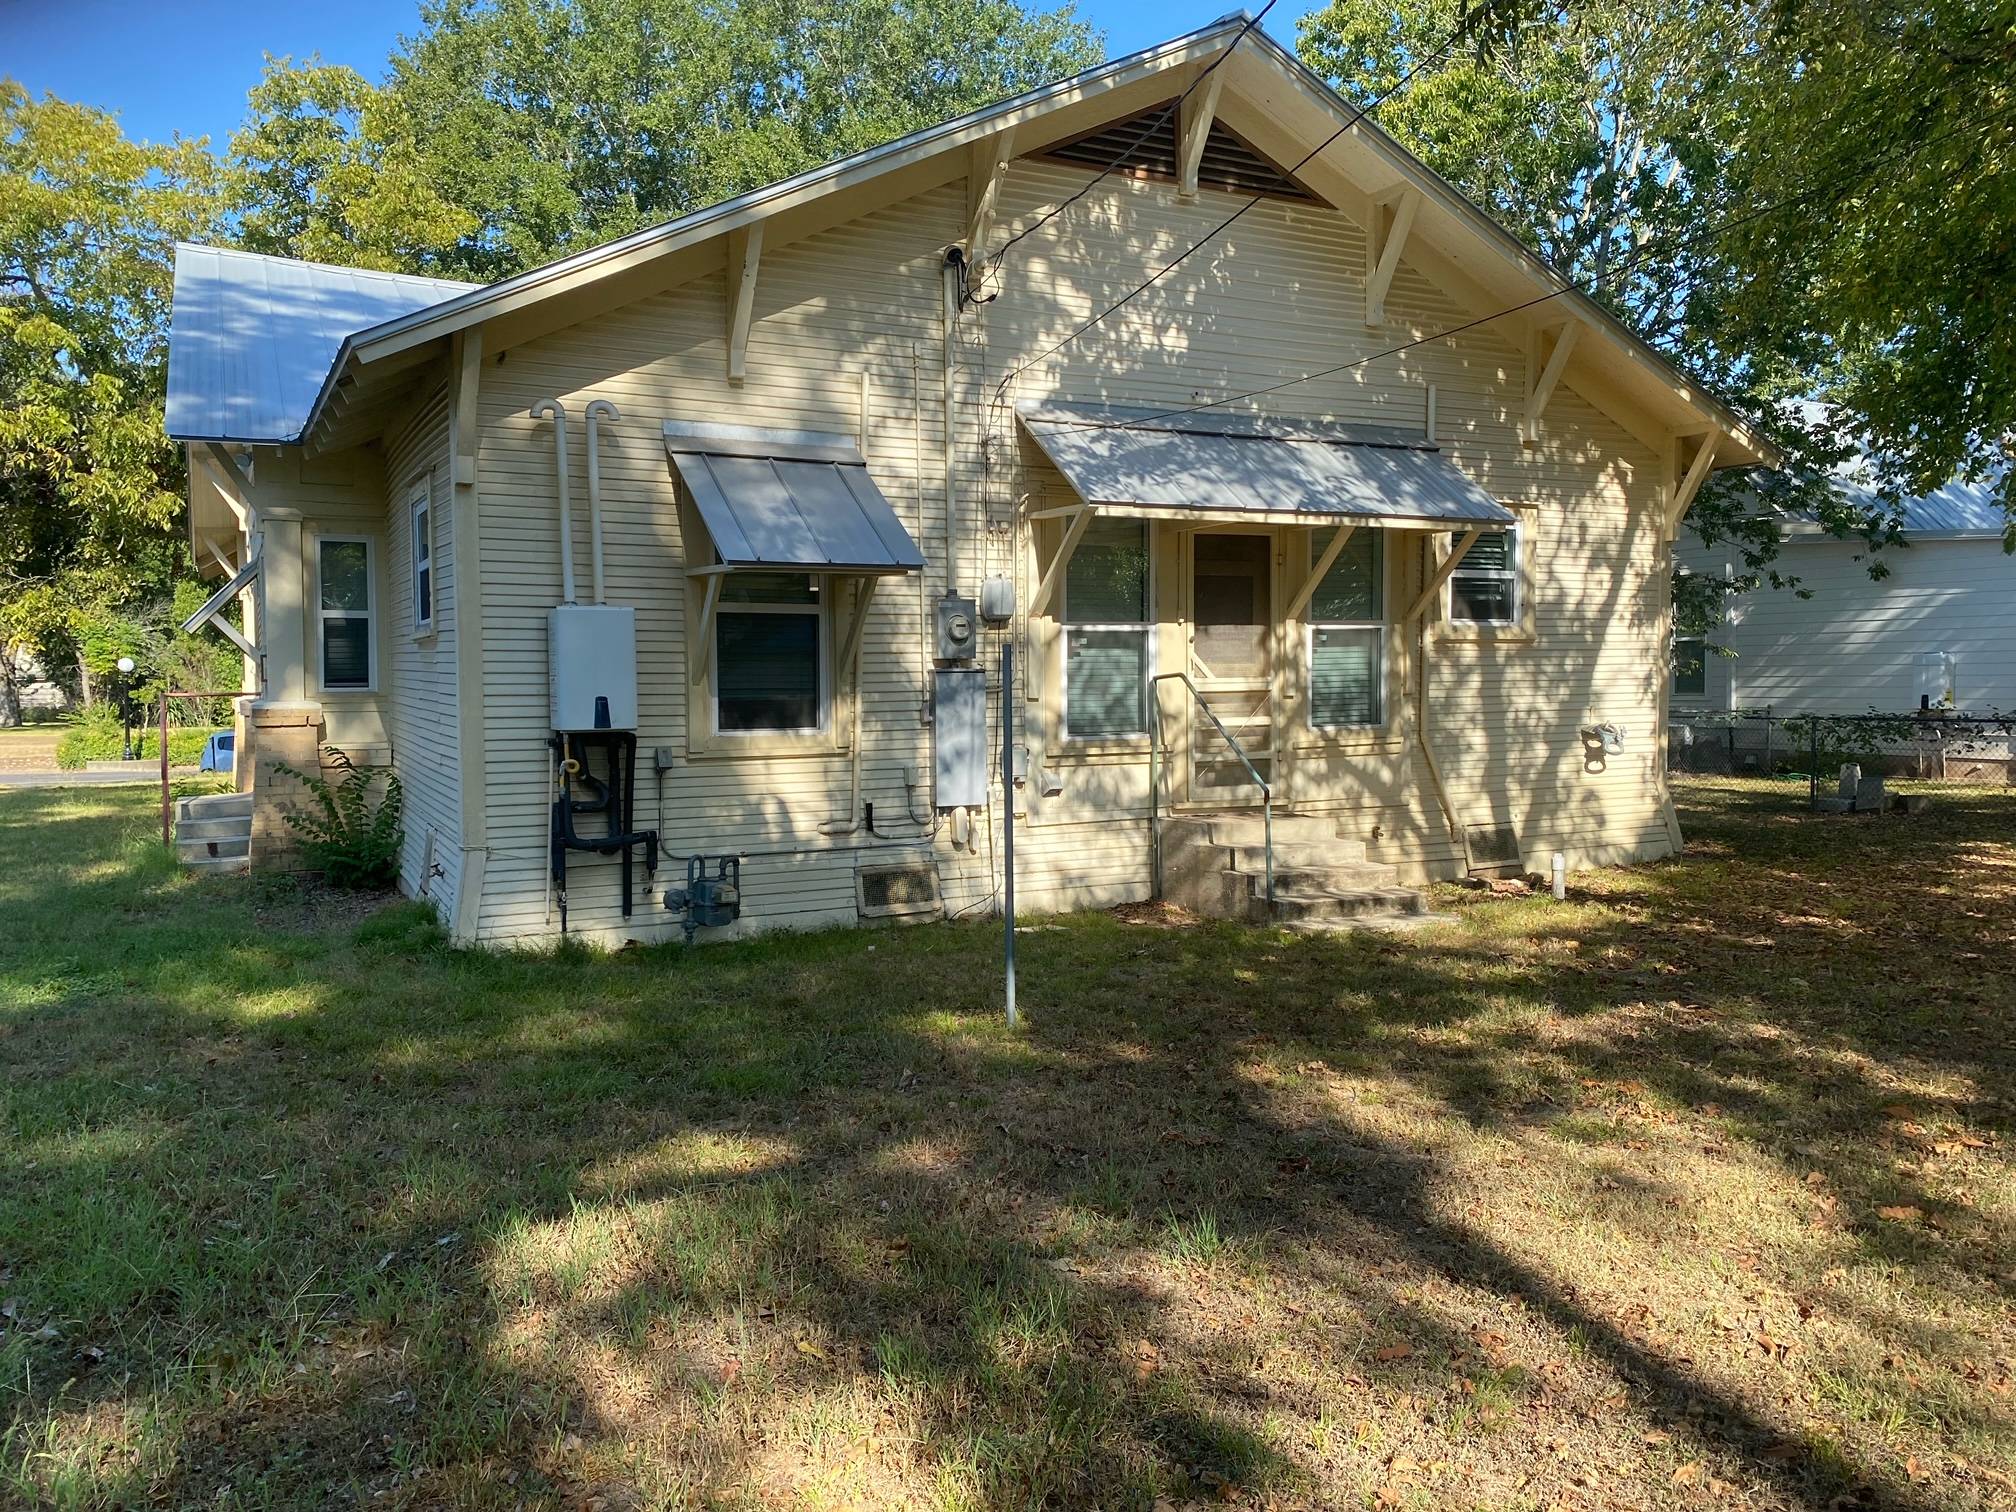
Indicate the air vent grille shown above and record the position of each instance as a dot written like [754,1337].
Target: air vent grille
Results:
[1492,847]
[1145,147]
[898,892]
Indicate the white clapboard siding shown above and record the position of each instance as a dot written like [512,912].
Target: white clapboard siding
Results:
[1853,645]
[1277,296]
[421,707]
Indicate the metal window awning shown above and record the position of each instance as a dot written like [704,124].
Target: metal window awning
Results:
[222,599]
[789,501]
[1254,469]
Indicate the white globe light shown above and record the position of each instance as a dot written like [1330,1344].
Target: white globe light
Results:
[126,664]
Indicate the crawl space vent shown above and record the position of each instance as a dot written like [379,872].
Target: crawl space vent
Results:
[898,892]
[1492,847]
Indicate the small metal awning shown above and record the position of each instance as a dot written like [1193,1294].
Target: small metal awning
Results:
[794,501]
[1256,469]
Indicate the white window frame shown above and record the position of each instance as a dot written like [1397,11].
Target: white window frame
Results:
[419,503]
[1148,664]
[1515,572]
[822,636]
[369,616]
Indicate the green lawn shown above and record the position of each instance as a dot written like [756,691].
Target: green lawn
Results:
[1695,1190]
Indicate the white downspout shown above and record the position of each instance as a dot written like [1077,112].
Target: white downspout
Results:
[558,413]
[606,410]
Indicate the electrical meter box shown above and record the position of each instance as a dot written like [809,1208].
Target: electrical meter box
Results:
[592,651]
[958,629]
[960,725]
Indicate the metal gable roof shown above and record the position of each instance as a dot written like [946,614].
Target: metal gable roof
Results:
[1245,465]
[251,338]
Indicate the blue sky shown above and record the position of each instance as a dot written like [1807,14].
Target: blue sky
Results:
[185,65]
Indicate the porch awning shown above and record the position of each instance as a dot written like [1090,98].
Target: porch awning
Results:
[1257,469]
[780,500]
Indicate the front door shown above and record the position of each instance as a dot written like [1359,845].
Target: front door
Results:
[1231,610]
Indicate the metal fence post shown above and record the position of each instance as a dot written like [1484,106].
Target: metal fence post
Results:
[1813,779]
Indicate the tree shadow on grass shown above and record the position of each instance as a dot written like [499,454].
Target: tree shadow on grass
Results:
[797,1219]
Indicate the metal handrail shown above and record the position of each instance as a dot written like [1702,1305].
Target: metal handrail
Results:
[1154,789]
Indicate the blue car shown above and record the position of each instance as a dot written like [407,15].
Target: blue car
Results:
[219,752]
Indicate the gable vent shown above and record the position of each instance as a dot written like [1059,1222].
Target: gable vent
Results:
[1146,148]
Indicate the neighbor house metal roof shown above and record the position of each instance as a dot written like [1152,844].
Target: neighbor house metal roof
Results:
[1252,465]
[794,500]
[252,337]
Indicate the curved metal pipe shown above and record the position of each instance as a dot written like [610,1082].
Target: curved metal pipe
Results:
[602,408]
[554,409]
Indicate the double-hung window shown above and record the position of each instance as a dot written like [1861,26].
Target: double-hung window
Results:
[422,509]
[1484,589]
[1347,635]
[1690,666]
[343,598]
[770,674]
[1108,638]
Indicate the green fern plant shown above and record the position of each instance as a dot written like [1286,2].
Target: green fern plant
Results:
[349,839]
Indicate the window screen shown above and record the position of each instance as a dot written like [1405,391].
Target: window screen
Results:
[1347,634]
[1106,632]
[767,654]
[1690,667]
[344,575]
[1484,588]
[423,559]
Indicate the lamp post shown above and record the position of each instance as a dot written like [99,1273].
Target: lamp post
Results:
[125,665]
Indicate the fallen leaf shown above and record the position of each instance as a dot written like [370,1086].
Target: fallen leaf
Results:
[1902,1213]
[807,1347]
[1393,1352]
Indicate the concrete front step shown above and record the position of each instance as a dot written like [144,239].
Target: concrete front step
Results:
[1348,877]
[193,851]
[218,864]
[1354,904]
[230,827]
[215,806]
[1251,829]
[1294,853]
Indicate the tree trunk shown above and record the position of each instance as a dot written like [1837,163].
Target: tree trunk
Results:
[10,694]
[86,696]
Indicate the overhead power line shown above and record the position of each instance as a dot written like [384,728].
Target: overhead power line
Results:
[1468,24]
[1855,175]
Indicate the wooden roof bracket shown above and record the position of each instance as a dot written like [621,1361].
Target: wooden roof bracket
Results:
[989,165]
[1541,381]
[1317,573]
[1442,573]
[745,258]
[1686,485]
[1385,240]
[1053,575]
[1193,131]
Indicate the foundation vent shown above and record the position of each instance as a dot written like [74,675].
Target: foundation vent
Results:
[907,891]
[1492,847]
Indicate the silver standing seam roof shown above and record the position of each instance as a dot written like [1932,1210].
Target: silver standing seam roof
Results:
[1257,465]
[789,500]
[251,337]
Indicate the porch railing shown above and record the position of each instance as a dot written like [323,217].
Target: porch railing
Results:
[1232,741]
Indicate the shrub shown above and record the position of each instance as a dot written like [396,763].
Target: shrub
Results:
[350,840]
[98,736]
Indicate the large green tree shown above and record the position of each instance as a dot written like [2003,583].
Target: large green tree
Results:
[508,132]
[90,487]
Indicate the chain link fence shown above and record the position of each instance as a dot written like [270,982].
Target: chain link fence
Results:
[1848,762]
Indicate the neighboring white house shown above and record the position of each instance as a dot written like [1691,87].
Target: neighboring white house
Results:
[1358,486]
[1940,625]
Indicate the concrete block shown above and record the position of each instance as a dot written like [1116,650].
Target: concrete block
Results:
[1834,805]
[1869,794]
[1910,803]
[1851,780]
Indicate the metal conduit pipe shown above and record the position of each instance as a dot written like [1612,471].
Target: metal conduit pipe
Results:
[603,409]
[554,409]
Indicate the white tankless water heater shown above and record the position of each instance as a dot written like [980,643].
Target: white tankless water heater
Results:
[592,649]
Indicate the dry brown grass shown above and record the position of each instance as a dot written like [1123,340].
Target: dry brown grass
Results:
[1692,1191]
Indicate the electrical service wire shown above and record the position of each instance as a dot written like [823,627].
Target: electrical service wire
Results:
[1464,27]
[1649,250]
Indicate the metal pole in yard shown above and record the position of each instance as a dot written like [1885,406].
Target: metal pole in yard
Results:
[167,827]
[1008,819]
[1813,782]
